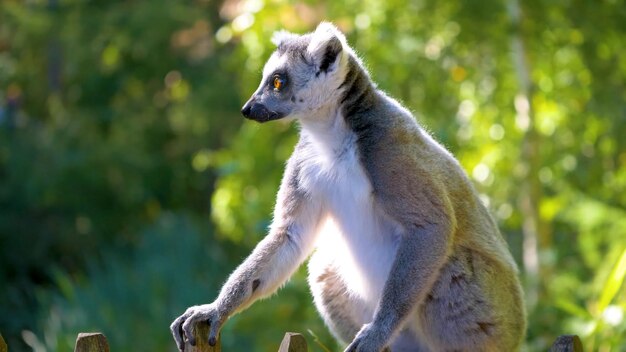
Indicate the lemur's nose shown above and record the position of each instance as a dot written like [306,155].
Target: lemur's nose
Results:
[245,111]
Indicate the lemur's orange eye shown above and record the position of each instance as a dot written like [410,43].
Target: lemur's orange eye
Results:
[278,83]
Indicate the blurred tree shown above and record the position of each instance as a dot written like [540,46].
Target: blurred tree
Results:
[105,107]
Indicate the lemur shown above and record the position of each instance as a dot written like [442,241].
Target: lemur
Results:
[405,257]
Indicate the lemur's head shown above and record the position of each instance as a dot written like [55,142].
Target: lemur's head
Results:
[302,75]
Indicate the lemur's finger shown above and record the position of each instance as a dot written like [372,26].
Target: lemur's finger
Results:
[214,331]
[188,329]
[177,332]
[181,337]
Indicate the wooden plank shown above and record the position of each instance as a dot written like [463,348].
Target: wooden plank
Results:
[567,343]
[91,342]
[293,342]
[201,332]
[3,345]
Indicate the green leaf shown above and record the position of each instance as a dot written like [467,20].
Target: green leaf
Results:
[572,308]
[317,341]
[613,283]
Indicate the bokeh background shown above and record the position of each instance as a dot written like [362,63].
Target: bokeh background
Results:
[130,186]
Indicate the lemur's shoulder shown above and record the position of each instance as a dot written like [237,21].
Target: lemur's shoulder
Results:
[393,135]
[404,163]
[429,181]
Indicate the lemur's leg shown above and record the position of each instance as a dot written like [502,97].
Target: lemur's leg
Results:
[460,312]
[345,314]
[341,312]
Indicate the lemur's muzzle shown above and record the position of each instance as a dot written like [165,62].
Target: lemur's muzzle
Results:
[259,112]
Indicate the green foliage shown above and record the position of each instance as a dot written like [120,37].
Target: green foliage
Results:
[133,297]
[118,117]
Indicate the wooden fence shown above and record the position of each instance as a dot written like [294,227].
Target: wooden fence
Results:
[292,342]
[97,342]
[3,345]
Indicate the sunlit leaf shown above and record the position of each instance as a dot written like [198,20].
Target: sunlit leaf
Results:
[613,283]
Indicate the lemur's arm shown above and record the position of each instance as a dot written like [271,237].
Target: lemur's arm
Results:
[419,204]
[420,255]
[273,261]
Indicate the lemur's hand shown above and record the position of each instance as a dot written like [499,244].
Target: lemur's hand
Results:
[368,339]
[182,327]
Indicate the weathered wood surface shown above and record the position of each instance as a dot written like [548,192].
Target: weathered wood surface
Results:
[91,342]
[567,343]
[293,342]
[3,345]
[201,332]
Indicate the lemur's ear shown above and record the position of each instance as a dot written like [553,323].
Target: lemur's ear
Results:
[326,46]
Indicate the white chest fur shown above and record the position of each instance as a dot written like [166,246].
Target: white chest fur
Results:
[357,237]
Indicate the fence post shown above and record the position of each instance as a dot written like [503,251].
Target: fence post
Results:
[3,345]
[91,342]
[201,332]
[567,343]
[293,342]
